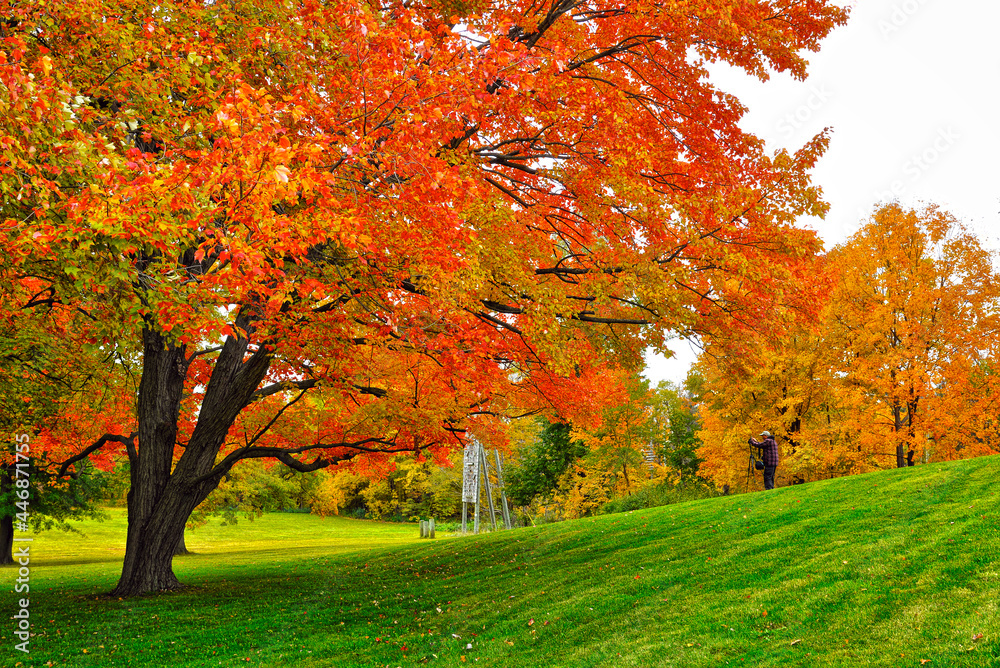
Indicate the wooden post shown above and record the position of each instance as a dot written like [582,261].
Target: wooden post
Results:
[430,528]
[423,529]
[465,517]
[503,493]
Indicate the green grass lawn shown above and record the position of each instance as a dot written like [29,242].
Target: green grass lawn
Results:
[898,568]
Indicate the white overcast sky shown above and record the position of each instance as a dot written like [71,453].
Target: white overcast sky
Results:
[911,89]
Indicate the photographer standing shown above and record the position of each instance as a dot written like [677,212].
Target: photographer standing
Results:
[769,453]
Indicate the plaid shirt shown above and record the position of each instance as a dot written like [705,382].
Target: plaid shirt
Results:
[769,450]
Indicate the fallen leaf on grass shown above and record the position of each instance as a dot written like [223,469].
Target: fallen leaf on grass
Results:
[977,636]
[923,661]
[796,642]
[530,622]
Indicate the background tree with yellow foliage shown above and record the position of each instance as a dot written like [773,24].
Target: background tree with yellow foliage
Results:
[897,369]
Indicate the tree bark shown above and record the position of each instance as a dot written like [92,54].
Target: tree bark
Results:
[181,546]
[151,509]
[898,427]
[149,551]
[6,540]
[6,522]
[163,495]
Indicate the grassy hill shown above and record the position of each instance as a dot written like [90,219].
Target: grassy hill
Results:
[897,568]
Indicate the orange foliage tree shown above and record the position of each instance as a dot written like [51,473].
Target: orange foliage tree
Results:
[422,214]
[914,330]
[898,366]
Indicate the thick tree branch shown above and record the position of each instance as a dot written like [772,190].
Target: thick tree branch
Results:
[282,386]
[285,455]
[588,316]
[128,441]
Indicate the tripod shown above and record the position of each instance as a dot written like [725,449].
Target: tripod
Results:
[751,466]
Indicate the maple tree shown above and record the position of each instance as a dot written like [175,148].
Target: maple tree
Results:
[897,367]
[915,329]
[335,228]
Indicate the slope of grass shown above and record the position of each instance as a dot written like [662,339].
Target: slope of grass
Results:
[898,568]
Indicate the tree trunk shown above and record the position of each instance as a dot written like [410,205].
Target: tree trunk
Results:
[162,496]
[150,543]
[6,540]
[7,521]
[911,427]
[898,427]
[181,547]
[149,550]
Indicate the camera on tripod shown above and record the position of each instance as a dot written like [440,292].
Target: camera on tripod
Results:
[754,463]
